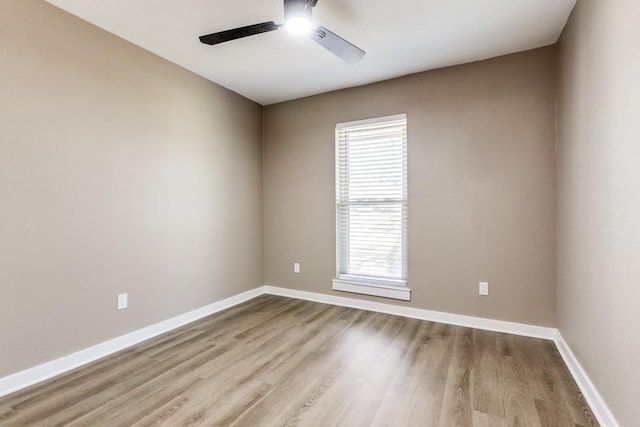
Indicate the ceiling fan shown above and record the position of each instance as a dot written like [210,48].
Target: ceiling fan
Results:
[297,16]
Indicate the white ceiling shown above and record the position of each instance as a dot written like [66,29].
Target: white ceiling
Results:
[400,38]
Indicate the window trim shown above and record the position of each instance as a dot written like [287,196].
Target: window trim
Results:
[376,290]
[382,287]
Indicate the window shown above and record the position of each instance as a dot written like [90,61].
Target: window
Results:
[371,207]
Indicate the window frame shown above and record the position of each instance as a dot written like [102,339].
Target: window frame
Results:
[371,285]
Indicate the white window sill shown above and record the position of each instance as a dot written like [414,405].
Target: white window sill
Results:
[377,290]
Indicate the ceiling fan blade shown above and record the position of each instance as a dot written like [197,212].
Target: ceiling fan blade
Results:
[335,44]
[238,33]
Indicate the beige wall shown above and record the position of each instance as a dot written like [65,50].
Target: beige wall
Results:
[481,185]
[119,172]
[598,288]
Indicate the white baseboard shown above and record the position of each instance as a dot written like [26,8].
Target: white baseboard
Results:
[591,395]
[417,313]
[64,364]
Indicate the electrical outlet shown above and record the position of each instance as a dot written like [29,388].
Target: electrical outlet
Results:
[483,288]
[296,267]
[123,301]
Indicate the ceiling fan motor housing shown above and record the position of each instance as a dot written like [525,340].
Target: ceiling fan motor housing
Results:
[298,9]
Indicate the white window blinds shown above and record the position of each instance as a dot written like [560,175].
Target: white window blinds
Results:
[371,200]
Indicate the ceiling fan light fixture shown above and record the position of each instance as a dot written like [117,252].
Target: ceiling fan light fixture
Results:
[297,16]
[299,25]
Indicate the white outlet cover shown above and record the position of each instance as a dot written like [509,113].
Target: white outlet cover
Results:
[123,301]
[483,288]
[296,267]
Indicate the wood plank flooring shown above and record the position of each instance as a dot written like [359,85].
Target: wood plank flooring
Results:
[276,361]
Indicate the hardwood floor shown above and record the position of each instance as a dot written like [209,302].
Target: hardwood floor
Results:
[275,361]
